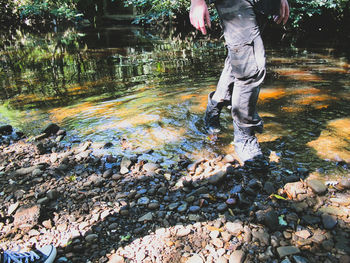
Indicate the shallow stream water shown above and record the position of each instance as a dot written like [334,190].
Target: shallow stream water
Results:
[143,91]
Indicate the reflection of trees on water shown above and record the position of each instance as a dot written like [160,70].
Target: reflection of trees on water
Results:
[43,70]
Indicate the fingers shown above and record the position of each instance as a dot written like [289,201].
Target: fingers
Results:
[284,13]
[201,26]
[199,17]
[207,16]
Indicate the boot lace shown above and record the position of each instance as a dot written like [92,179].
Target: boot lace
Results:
[17,257]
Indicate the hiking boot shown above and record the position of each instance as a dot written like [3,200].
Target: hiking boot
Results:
[212,115]
[45,254]
[247,147]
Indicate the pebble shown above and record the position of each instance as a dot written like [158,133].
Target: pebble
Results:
[287,251]
[195,259]
[146,217]
[27,217]
[183,231]
[234,227]
[90,238]
[221,207]
[217,177]
[12,208]
[194,209]
[237,256]
[150,167]
[317,186]
[153,205]
[52,194]
[262,236]
[271,220]
[345,183]
[329,221]
[269,188]
[182,208]
[143,201]
[116,259]
[299,259]
[303,234]
[108,173]
[99,214]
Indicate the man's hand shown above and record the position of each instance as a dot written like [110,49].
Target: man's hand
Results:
[284,13]
[199,15]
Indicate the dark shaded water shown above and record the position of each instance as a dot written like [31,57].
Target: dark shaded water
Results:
[143,91]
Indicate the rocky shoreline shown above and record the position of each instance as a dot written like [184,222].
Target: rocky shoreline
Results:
[123,209]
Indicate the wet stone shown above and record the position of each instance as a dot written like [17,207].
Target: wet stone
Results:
[217,177]
[293,189]
[262,236]
[51,129]
[317,186]
[299,259]
[271,220]
[52,194]
[91,237]
[328,244]
[194,209]
[37,172]
[342,243]
[182,208]
[299,206]
[287,251]
[142,191]
[108,173]
[329,221]
[269,188]
[221,207]
[312,220]
[143,201]
[43,201]
[254,184]
[153,205]
[6,129]
[125,163]
[150,167]
[162,190]
[146,217]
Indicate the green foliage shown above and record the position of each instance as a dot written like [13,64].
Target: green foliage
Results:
[152,11]
[37,11]
[302,11]
[305,10]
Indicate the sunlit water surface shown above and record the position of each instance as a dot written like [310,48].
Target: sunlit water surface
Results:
[141,92]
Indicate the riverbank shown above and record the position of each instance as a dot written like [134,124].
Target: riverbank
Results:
[123,209]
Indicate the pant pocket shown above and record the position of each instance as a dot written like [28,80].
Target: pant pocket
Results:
[243,61]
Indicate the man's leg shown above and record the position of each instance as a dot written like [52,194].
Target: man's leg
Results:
[218,99]
[247,61]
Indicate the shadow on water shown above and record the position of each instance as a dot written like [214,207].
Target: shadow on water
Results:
[153,95]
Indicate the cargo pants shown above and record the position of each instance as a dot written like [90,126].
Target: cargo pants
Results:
[244,68]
